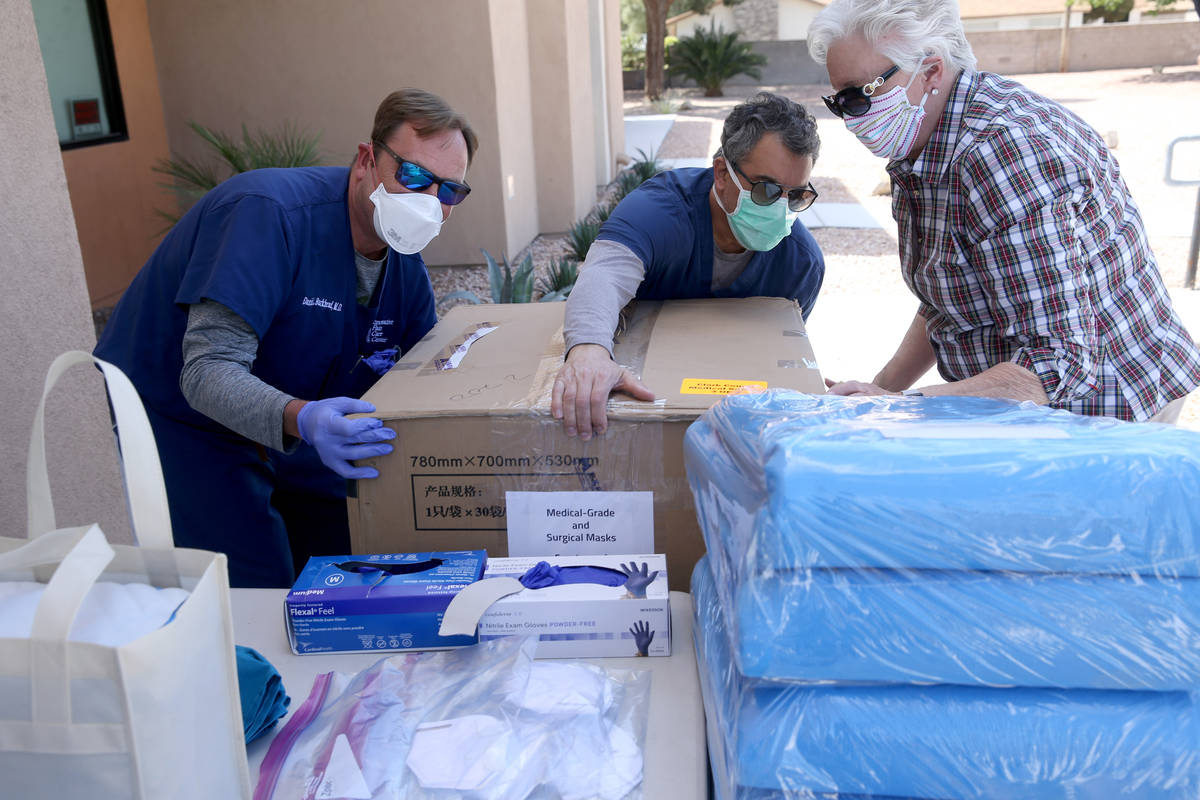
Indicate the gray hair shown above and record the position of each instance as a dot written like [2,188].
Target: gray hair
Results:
[765,113]
[905,31]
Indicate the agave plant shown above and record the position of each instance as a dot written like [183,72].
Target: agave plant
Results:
[580,237]
[647,166]
[287,147]
[712,57]
[509,286]
[561,274]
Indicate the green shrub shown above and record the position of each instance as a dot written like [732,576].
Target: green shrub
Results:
[712,57]
[507,286]
[647,166]
[580,237]
[287,147]
[561,275]
[626,182]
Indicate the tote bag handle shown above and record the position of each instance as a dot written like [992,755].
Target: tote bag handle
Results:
[142,469]
[81,555]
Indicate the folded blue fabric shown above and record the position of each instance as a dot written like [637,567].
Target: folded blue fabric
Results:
[945,483]
[264,700]
[950,540]
[773,740]
[989,628]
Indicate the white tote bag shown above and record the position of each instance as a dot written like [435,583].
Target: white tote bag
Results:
[156,718]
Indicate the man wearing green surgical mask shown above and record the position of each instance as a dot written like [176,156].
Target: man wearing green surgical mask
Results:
[729,230]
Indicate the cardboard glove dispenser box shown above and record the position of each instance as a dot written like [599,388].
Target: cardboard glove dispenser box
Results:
[471,410]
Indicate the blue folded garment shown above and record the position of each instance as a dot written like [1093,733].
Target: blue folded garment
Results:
[894,539]
[958,483]
[771,740]
[264,700]
[989,628]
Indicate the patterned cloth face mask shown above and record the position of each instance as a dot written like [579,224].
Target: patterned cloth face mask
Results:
[889,127]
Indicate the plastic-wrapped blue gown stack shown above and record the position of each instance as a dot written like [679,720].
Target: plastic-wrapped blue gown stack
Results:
[946,598]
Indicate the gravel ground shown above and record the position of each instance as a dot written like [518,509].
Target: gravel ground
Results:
[1126,106]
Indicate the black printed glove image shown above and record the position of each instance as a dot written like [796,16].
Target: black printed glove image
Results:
[637,580]
[642,637]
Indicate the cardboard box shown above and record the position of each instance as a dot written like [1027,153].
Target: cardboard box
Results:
[583,620]
[378,603]
[472,417]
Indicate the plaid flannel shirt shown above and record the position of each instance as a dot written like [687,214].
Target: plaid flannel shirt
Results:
[1020,238]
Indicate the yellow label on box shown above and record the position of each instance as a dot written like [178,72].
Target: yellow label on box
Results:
[717,386]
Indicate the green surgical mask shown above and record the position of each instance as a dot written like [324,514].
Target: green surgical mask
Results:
[757,227]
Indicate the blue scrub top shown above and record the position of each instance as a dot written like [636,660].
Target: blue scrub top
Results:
[273,245]
[667,223]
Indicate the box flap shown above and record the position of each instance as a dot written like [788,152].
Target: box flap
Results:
[494,373]
[498,359]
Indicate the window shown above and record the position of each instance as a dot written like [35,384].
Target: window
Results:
[81,71]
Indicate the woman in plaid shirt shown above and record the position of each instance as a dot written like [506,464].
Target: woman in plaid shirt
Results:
[1017,233]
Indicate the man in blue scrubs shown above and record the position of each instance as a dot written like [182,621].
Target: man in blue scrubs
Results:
[265,313]
[730,230]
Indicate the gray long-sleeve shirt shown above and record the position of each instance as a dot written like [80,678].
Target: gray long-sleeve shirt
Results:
[219,348]
[608,280]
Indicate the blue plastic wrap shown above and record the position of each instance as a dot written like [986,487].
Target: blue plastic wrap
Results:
[771,741]
[951,540]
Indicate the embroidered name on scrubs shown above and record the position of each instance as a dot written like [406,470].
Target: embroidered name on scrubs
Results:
[376,334]
[321,302]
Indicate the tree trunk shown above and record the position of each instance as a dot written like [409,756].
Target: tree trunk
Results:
[656,32]
[1064,47]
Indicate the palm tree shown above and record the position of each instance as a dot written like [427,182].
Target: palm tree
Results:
[192,179]
[712,57]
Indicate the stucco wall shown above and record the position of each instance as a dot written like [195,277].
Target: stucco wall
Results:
[44,304]
[1113,46]
[114,192]
[559,60]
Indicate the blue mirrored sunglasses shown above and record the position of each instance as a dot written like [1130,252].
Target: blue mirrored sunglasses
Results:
[416,178]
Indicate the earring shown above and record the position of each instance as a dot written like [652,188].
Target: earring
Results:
[935,91]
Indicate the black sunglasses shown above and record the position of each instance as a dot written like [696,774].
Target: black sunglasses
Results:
[764,193]
[856,100]
[417,178]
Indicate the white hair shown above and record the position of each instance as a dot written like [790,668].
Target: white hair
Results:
[905,31]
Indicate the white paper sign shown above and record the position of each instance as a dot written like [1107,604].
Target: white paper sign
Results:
[580,523]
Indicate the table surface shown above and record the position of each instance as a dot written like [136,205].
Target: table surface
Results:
[676,763]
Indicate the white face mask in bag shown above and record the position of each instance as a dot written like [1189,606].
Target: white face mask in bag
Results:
[407,221]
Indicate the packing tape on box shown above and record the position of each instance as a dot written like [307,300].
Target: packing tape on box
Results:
[461,617]
[634,330]
[453,354]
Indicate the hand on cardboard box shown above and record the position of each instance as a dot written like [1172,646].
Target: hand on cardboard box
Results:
[338,440]
[582,388]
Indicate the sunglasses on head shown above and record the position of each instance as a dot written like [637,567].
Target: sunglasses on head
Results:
[416,178]
[765,193]
[856,100]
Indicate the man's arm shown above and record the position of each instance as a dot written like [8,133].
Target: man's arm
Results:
[219,347]
[608,280]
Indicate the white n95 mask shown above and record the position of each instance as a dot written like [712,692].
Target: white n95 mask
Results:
[407,221]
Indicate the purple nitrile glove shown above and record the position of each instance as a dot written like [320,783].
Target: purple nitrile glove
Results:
[338,440]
